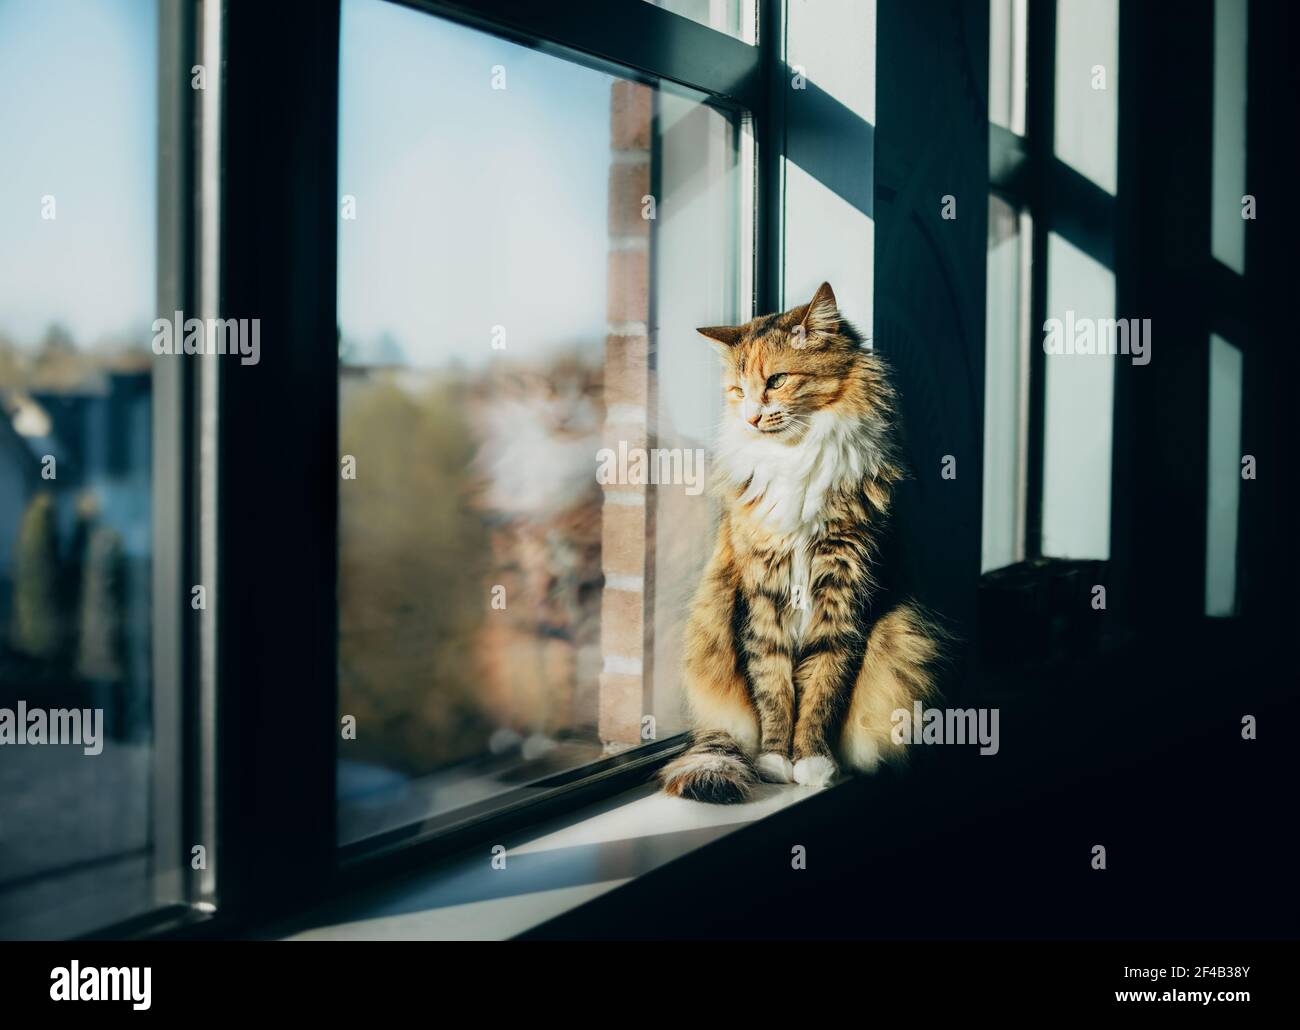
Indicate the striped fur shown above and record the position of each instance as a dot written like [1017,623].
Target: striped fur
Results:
[795,654]
[715,769]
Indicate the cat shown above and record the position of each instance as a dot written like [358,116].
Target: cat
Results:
[795,655]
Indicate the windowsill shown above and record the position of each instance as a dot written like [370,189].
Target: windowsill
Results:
[549,869]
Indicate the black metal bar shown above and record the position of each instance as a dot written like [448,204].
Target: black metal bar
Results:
[630,35]
[1040,104]
[1170,395]
[278,454]
[1124,245]
[770,125]
[175,800]
[654,284]
[1268,560]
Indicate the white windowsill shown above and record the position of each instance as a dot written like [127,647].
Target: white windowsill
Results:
[548,871]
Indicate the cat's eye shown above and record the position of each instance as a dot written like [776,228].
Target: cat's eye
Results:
[777,381]
[736,391]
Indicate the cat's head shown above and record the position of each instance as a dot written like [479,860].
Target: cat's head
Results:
[781,370]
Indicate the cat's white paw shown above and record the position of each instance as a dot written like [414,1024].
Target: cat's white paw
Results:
[775,768]
[815,771]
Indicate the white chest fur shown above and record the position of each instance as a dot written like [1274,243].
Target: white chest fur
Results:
[787,485]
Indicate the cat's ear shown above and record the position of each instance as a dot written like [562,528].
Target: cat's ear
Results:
[821,319]
[723,337]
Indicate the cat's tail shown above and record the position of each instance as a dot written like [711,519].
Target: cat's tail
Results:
[715,768]
[903,655]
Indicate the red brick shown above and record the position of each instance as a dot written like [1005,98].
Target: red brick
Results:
[621,628]
[620,708]
[628,297]
[623,540]
[628,184]
[629,121]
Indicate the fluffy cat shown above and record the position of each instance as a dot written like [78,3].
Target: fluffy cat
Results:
[795,655]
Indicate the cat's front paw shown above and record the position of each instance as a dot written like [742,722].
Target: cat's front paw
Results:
[775,768]
[815,771]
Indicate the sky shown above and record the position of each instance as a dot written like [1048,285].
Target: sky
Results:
[476,207]
[78,122]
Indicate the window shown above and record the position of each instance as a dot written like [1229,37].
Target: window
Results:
[1007,23]
[1227,223]
[89,595]
[737,18]
[1087,88]
[468,586]
[531,244]
[1006,385]
[827,228]
[1053,88]
[1078,407]
[1224,485]
[1054,278]
[1232,208]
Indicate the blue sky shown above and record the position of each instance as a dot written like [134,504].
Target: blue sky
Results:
[475,207]
[78,121]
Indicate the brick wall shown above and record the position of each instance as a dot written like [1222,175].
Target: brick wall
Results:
[627,514]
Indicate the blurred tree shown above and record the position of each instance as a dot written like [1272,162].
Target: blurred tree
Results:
[100,623]
[37,621]
[411,566]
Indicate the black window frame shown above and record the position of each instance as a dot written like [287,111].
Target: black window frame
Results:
[259,764]
[1025,172]
[1112,229]
[1157,243]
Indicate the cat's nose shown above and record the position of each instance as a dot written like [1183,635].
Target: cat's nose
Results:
[755,418]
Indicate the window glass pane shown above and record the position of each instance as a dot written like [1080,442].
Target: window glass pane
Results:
[1227,227]
[1006,386]
[734,17]
[1007,64]
[515,317]
[830,46]
[1224,485]
[78,751]
[1087,87]
[1080,392]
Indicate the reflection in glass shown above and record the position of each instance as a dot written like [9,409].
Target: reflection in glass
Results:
[77,264]
[1087,88]
[736,18]
[1227,227]
[1078,420]
[1224,478]
[534,245]
[1006,386]
[827,238]
[1007,49]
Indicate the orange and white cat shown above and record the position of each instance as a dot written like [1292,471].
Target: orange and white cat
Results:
[796,656]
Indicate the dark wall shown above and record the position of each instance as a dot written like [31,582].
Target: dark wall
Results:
[932,141]
[1268,558]
[1166,273]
